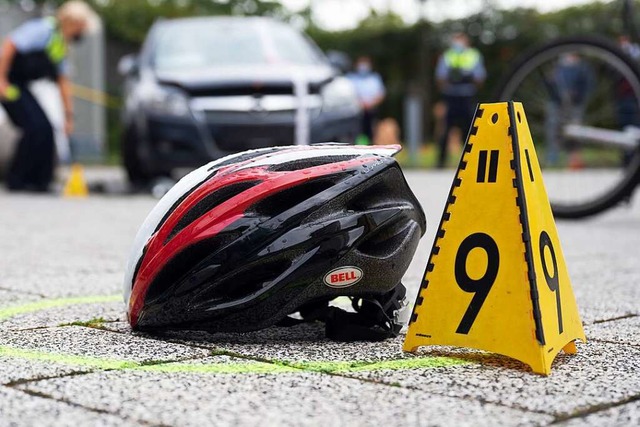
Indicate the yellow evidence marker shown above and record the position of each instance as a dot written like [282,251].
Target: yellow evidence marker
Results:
[496,279]
[76,185]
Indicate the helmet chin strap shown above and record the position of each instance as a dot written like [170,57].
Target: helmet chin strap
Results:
[375,318]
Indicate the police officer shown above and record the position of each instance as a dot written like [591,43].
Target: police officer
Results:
[459,73]
[370,91]
[37,50]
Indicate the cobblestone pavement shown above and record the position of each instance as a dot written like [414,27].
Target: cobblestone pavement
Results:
[67,356]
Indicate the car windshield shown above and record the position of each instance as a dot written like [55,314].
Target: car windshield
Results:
[200,44]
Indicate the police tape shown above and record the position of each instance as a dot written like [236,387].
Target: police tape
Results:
[95,96]
[84,93]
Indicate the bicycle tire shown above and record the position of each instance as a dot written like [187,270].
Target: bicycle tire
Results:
[506,88]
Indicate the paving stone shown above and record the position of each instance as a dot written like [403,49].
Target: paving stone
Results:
[619,416]
[51,317]
[623,331]
[10,298]
[89,342]
[13,369]
[600,374]
[295,344]
[18,408]
[64,280]
[281,399]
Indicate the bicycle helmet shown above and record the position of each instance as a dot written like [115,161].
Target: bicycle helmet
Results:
[243,242]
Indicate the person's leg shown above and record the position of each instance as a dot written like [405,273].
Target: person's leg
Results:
[367,125]
[32,166]
[442,145]
[551,123]
[467,110]
[19,165]
[575,116]
[444,138]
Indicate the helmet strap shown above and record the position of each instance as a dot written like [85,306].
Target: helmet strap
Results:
[375,318]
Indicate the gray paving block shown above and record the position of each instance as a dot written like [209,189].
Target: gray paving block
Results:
[74,312]
[623,331]
[98,344]
[11,298]
[603,274]
[300,343]
[600,374]
[51,237]
[18,408]
[618,416]
[14,368]
[606,287]
[282,399]
[121,326]
[65,280]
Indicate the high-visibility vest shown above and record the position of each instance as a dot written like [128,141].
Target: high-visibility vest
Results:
[56,48]
[460,64]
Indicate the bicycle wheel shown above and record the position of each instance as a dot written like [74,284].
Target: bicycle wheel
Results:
[582,99]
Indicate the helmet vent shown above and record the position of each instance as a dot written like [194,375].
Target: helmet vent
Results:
[209,202]
[377,195]
[184,263]
[388,239]
[287,199]
[309,163]
[246,282]
[180,200]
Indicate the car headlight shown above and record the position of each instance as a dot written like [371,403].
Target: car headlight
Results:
[340,95]
[166,100]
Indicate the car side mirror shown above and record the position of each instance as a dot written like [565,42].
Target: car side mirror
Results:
[128,65]
[339,61]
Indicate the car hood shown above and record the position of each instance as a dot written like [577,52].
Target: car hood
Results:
[251,76]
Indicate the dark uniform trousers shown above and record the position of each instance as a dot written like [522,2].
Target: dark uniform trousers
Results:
[33,161]
[460,111]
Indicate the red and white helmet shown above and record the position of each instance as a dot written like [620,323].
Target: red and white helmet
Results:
[242,242]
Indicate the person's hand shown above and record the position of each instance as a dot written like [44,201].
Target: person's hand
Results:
[68,125]
[4,86]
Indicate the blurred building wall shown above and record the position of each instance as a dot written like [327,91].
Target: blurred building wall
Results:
[88,72]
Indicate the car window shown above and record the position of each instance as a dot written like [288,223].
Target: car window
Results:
[290,46]
[196,44]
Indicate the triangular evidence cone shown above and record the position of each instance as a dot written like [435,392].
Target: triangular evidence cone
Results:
[496,278]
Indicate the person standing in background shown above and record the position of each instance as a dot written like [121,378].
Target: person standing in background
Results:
[627,109]
[38,50]
[459,73]
[370,91]
[571,85]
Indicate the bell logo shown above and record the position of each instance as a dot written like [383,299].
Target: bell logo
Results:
[343,277]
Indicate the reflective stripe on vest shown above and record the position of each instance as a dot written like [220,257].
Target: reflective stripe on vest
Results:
[56,48]
[465,60]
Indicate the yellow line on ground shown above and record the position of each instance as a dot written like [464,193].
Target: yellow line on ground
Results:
[215,367]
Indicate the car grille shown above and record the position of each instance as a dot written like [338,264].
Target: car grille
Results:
[245,137]
[255,117]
